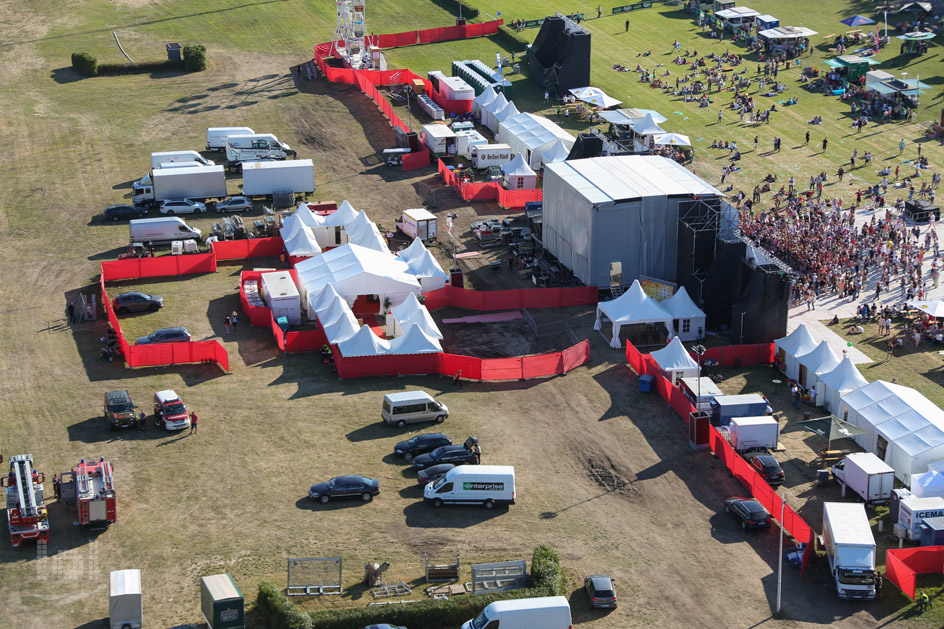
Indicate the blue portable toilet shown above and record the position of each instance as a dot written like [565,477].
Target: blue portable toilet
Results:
[932,532]
[645,383]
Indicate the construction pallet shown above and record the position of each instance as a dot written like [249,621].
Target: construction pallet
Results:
[386,590]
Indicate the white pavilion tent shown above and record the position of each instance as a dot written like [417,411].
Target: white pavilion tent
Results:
[557,153]
[595,96]
[819,360]
[797,343]
[645,131]
[531,135]
[518,175]
[509,111]
[675,361]
[691,318]
[491,108]
[632,307]
[302,243]
[363,343]
[933,308]
[479,102]
[844,378]
[414,341]
[411,312]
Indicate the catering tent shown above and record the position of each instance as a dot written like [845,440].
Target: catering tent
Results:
[928,485]
[933,308]
[904,428]
[354,271]
[509,111]
[302,244]
[595,96]
[691,318]
[363,343]
[479,102]
[411,311]
[491,108]
[414,341]
[671,139]
[557,153]
[531,135]
[518,175]
[632,307]
[675,361]
[819,360]
[427,271]
[788,348]
[645,131]
[842,379]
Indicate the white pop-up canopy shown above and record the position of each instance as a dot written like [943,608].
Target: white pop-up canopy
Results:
[421,263]
[647,126]
[491,108]
[479,102]
[928,485]
[933,308]
[414,341]
[632,307]
[363,343]
[518,175]
[334,315]
[797,343]
[595,96]
[411,312]
[557,153]
[362,231]
[845,377]
[671,139]
[342,216]
[302,243]
[675,361]
[819,360]
[531,135]
[691,318]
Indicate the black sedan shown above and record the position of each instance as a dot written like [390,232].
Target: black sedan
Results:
[768,468]
[457,455]
[750,512]
[345,487]
[601,591]
[421,444]
[433,473]
[137,302]
[115,212]
[165,335]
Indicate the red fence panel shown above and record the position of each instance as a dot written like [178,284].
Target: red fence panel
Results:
[681,404]
[260,247]
[635,359]
[898,571]
[387,365]
[394,40]
[451,106]
[439,298]
[470,365]
[542,365]
[465,298]
[731,355]
[230,249]
[121,270]
[419,159]
[516,199]
[304,340]
[574,356]
[200,263]
[501,299]
[277,332]
[479,191]
[502,368]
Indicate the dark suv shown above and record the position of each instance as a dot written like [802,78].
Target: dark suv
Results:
[468,453]
[136,302]
[421,444]
[120,411]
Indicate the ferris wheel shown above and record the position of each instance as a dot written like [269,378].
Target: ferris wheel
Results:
[351,40]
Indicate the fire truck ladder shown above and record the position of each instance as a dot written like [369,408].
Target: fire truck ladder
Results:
[24,485]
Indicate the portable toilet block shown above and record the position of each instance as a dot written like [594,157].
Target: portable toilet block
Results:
[125,609]
[932,532]
[645,383]
[221,602]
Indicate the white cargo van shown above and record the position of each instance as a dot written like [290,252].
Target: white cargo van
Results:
[409,407]
[162,230]
[246,141]
[166,157]
[487,485]
[549,612]
[217,136]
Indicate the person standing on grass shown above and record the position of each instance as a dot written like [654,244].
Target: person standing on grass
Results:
[719,115]
[825,144]
[599,11]
[627,27]
[756,142]
[457,380]
[807,138]
[193,422]
[226,322]
[889,349]
[901,146]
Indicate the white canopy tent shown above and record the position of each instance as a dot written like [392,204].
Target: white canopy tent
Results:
[334,315]
[903,427]
[819,360]
[342,216]
[933,308]
[518,175]
[343,328]
[322,299]
[675,361]
[410,312]
[928,485]
[491,108]
[691,318]
[423,265]
[479,102]
[645,131]
[364,343]
[671,139]
[414,341]
[362,231]
[509,111]
[632,307]
[557,153]
[797,343]
[302,244]
[595,96]
[531,135]
[842,379]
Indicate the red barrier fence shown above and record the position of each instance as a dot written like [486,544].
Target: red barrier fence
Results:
[258,315]
[419,159]
[136,268]
[490,191]
[515,299]
[252,248]
[736,355]
[902,565]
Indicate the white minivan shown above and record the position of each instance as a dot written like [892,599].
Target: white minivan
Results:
[218,137]
[549,612]
[410,407]
[487,485]
[162,230]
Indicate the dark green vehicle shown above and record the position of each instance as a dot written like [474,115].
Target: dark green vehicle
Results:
[120,411]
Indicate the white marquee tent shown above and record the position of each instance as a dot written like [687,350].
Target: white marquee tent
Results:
[411,312]
[819,360]
[844,378]
[414,341]
[645,132]
[632,307]
[691,318]
[797,343]
[903,427]
[364,343]
[933,308]
[479,102]
[301,243]
[557,153]
[928,485]
[518,175]
[675,361]
[334,315]
[421,263]
[595,96]
[509,111]
[531,135]
[491,108]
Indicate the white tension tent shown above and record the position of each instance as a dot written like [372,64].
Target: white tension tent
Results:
[845,377]
[788,348]
[622,208]
[531,135]
[675,361]
[518,175]
[819,360]
[632,307]
[691,318]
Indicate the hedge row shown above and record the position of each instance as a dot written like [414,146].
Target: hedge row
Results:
[194,60]
[116,69]
[546,579]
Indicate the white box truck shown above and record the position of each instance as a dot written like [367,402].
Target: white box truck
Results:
[281,296]
[125,610]
[218,137]
[487,155]
[198,183]
[867,475]
[147,180]
[455,88]
[487,485]
[262,179]
[418,223]
[850,548]
[913,511]
[164,157]
[752,433]
[439,138]
[161,230]
[548,612]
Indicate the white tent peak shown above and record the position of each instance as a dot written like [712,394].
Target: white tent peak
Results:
[820,359]
[414,341]
[518,167]
[497,104]
[557,153]
[508,111]
[410,312]
[363,343]
[798,342]
[647,126]
[681,306]
[487,96]
[416,248]
[425,265]
[844,377]
[342,216]
[301,243]
[324,298]
[674,357]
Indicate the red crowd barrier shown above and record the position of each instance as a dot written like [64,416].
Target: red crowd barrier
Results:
[488,191]
[902,565]
[389,365]
[419,159]
[252,248]
[394,40]
[136,268]
[514,299]
[733,355]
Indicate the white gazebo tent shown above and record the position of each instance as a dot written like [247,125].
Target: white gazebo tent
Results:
[933,308]
[479,102]
[363,343]
[671,139]
[491,108]
[632,307]
[675,361]
[557,153]
[331,232]
[302,243]
[644,133]
[335,317]
[797,343]
[427,271]
[595,96]
[928,485]
[509,111]
[531,135]
[411,311]
[414,341]
[518,175]
[820,360]
[691,318]
[844,378]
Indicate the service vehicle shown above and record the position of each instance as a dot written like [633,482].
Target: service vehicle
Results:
[548,612]
[90,486]
[268,178]
[418,223]
[486,485]
[913,511]
[754,433]
[26,507]
[850,548]
[601,591]
[467,453]
[165,335]
[421,444]
[162,230]
[409,407]
[218,137]
[120,411]
[197,183]
[160,158]
[488,155]
[170,412]
[345,487]
[135,301]
[748,511]
[125,608]
[244,141]
[867,475]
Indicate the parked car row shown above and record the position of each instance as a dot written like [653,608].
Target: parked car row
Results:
[173,207]
[169,413]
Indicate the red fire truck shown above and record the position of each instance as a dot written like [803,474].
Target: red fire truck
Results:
[91,487]
[26,509]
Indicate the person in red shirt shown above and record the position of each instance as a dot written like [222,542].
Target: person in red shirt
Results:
[193,422]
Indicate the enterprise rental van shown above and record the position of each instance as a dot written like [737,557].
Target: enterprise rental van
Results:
[549,612]
[486,485]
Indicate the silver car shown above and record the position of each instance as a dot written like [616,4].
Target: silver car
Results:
[234,204]
[182,206]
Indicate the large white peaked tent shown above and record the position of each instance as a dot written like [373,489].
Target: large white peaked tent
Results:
[411,312]
[632,307]
[414,341]
[675,361]
[844,378]
[491,108]
[557,153]
[423,265]
[691,318]
[509,111]
[820,360]
[518,175]
[928,485]
[479,102]
[302,243]
[364,343]
[531,135]
[788,348]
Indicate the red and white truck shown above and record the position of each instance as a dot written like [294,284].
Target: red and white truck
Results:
[26,509]
[90,486]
